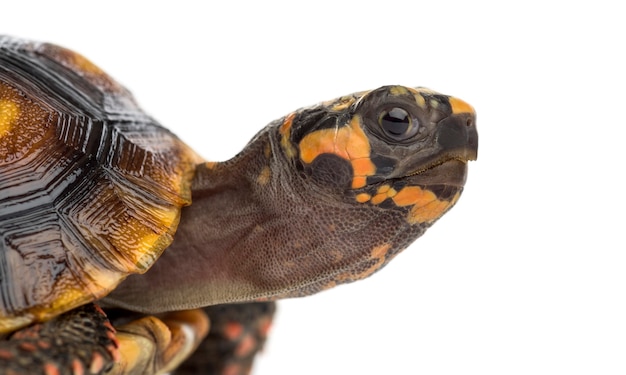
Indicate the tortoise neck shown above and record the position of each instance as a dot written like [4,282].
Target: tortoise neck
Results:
[220,237]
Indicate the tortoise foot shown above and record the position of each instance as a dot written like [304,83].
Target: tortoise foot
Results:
[81,341]
[152,345]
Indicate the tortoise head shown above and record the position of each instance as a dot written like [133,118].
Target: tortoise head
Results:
[324,196]
[392,160]
[391,147]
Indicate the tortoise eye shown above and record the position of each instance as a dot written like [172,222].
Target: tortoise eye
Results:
[398,124]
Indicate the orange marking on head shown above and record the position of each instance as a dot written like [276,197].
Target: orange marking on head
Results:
[233,330]
[459,106]
[413,195]
[379,198]
[285,128]
[359,182]
[363,167]
[383,192]
[378,254]
[347,142]
[383,189]
[426,206]
[431,211]
[363,197]
[379,251]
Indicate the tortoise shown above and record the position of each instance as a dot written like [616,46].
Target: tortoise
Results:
[93,190]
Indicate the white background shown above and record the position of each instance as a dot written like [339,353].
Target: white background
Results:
[526,275]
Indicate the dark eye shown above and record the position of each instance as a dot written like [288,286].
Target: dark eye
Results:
[398,123]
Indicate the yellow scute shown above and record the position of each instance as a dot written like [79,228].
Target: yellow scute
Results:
[9,113]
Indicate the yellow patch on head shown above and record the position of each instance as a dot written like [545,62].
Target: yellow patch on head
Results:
[267,151]
[343,103]
[459,106]
[285,132]
[398,90]
[264,176]
[285,128]
[347,142]
[9,113]
[419,100]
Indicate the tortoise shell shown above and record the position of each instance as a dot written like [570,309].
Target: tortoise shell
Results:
[90,186]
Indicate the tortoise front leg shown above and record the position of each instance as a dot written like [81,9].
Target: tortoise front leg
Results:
[81,341]
[237,334]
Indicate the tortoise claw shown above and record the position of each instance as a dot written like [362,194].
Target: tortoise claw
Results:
[152,345]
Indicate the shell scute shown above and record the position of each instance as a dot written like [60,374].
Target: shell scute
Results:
[90,186]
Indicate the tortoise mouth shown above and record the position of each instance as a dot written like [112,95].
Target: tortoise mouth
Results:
[451,171]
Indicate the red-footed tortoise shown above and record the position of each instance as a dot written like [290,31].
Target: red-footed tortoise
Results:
[91,190]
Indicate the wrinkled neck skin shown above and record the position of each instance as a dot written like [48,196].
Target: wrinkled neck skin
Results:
[258,230]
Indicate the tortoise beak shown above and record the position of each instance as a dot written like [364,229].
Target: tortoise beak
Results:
[455,143]
[457,136]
